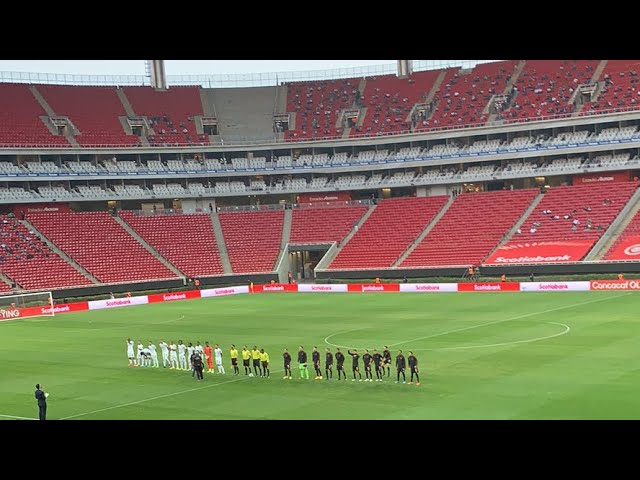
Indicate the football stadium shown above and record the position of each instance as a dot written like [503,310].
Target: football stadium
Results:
[418,240]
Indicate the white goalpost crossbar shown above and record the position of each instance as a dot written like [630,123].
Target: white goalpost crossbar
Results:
[26,305]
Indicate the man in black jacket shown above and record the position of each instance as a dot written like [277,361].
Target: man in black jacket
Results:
[42,402]
[328,365]
[401,364]
[355,368]
[413,365]
[302,363]
[340,363]
[198,365]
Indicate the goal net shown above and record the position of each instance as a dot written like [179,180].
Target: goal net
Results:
[26,305]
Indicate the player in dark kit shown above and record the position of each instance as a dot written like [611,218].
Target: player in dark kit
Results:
[401,364]
[287,365]
[340,364]
[377,362]
[315,358]
[355,368]
[413,365]
[198,365]
[328,365]
[387,360]
[366,359]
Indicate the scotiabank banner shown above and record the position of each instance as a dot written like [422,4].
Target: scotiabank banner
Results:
[628,249]
[581,179]
[220,292]
[170,297]
[328,197]
[9,313]
[41,208]
[615,285]
[322,288]
[489,287]
[428,287]
[275,287]
[373,287]
[554,286]
[540,252]
[118,302]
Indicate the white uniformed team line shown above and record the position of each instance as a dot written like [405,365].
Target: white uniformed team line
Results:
[174,356]
[113,407]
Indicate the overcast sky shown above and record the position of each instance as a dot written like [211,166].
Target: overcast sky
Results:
[179,67]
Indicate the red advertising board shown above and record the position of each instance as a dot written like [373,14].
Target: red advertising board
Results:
[540,252]
[11,313]
[324,197]
[489,287]
[373,287]
[608,285]
[628,249]
[170,297]
[40,208]
[603,177]
[275,288]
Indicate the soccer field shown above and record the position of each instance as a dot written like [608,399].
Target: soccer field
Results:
[568,355]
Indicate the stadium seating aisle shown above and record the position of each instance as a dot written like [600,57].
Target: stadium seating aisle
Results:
[324,224]
[621,90]
[387,233]
[187,241]
[93,110]
[26,259]
[626,245]
[98,243]
[471,228]
[252,239]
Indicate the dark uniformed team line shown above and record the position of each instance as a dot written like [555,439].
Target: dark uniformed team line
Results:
[380,361]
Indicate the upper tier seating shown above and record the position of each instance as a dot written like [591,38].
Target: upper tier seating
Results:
[252,239]
[387,233]
[473,225]
[100,245]
[187,241]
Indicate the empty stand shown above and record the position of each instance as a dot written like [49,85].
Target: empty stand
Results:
[187,241]
[170,113]
[101,246]
[26,259]
[19,118]
[471,228]
[252,239]
[627,245]
[324,224]
[95,111]
[393,225]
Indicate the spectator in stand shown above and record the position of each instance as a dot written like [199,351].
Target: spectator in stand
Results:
[620,276]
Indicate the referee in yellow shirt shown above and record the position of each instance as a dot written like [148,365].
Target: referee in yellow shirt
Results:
[264,358]
[255,355]
[233,353]
[246,357]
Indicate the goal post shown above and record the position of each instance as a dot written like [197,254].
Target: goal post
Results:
[26,305]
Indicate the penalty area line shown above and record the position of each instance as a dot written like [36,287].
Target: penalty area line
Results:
[113,407]
[17,418]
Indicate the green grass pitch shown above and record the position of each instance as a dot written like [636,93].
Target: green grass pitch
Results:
[482,356]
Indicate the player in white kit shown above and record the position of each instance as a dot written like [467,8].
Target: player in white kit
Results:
[154,355]
[182,360]
[164,348]
[173,355]
[217,353]
[190,351]
[140,358]
[130,353]
[146,357]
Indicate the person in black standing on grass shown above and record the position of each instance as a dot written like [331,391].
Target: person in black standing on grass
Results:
[315,358]
[286,356]
[198,365]
[42,402]
[340,364]
[413,365]
[401,364]
[377,362]
[366,359]
[387,360]
[328,365]
[355,367]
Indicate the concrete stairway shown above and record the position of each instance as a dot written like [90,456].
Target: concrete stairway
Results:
[6,279]
[125,103]
[148,247]
[43,103]
[429,98]
[208,105]
[280,104]
[281,266]
[519,223]
[60,253]
[512,81]
[606,241]
[222,247]
[594,79]
[423,234]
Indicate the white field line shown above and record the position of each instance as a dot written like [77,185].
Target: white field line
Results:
[18,418]
[169,321]
[162,396]
[488,323]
